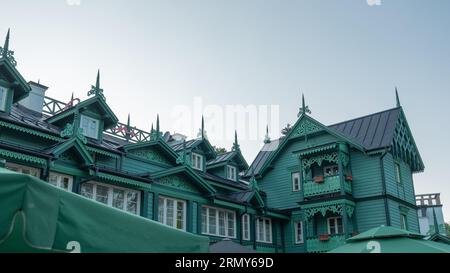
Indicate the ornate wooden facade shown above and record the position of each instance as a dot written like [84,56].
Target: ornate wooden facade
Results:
[305,192]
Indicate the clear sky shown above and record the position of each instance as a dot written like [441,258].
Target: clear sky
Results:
[158,56]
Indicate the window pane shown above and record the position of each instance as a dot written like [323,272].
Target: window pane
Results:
[268,233]
[132,199]
[204,220]
[170,212]
[53,179]
[65,184]
[212,221]
[118,198]
[102,194]
[180,215]
[261,229]
[2,99]
[340,227]
[221,223]
[87,190]
[161,209]
[245,226]
[230,218]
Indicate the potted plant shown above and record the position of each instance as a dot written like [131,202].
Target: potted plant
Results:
[319,179]
[349,178]
[324,237]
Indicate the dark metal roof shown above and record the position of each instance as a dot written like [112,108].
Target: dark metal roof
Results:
[177,146]
[372,132]
[221,180]
[29,118]
[262,157]
[221,158]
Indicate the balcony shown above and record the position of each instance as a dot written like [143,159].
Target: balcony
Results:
[330,184]
[324,243]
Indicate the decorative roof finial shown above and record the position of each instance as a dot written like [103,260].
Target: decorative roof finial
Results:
[397,97]
[96,90]
[128,121]
[267,137]
[5,53]
[253,182]
[157,124]
[202,131]
[235,144]
[304,109]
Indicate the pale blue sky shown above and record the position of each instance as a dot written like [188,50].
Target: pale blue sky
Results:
[346,56]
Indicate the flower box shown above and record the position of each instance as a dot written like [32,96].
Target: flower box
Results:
[319,179]
[324,237]
[349,178]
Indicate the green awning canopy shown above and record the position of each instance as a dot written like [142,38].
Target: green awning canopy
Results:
[387,239]
[38,217]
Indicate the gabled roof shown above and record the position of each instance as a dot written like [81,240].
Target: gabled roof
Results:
[194,143]
[18,83]
[189,172]
[109,117]
[76,144]
[225,157]
[158,142]
[247,196]
[373,131]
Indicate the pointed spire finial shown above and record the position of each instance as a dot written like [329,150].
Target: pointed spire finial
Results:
[304,109]
[202,131]
[397,97]
[128,120]
[157,124]
[5,53]
[203,127]
[235,144]
[267,137]
[96,90]
[253,182]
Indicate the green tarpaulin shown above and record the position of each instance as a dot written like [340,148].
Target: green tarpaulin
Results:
[38,217]
[387,239]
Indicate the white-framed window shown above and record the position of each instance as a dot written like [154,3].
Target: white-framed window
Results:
[90,126]
[246,227]
[335,225]
[116,197]
[3,97]
[403,221]
[298,226]
[332,170]
[24,169]
[62,181]
[398,176]
[231,173]
[218,222]
[172,212]
[296,181]
[197,161]
[263,230]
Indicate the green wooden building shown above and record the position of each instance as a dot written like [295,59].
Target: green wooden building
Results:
[305,192]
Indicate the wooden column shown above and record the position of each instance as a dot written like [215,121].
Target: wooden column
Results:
[341,170]
[302,179]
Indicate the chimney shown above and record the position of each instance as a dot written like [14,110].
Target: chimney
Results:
[35,99]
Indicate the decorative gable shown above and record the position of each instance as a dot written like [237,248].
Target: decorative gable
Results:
[305,127]
[150,154]
[178,182]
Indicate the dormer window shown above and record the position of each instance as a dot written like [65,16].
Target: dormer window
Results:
[197,161]
[90,126]
[231,173]
[3,97]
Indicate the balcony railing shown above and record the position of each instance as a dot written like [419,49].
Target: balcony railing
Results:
[318,244]
[330,184]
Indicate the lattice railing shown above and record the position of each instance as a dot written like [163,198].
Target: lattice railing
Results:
[53,107]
